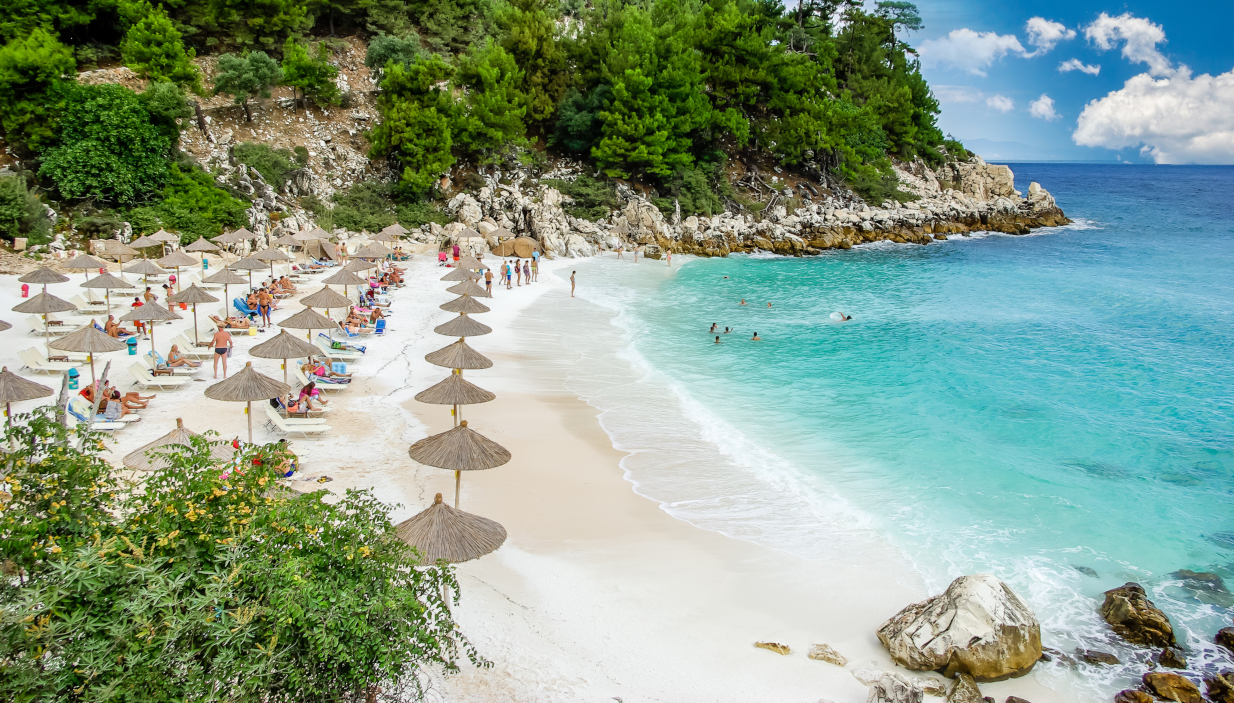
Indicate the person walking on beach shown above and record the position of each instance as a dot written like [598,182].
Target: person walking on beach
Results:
[509,275]
[572,283]
[264,299]
[222,348]
[535,268]
[527,271]
[619,249]
[488,282]
[455,251]
[670,258]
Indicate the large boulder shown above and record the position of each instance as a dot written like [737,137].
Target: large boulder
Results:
[1134,617]
[978,626]
[1132,695]
[1225,638]
[1172,687]
[1220,687]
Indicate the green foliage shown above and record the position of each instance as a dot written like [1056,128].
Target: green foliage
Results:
[207,582]
[593,198]
[21,212]
[168,109]
[699,191]
[69,19]
[264,23]
[415,128]
[155,49]
[450,26]
[29,69]
[313,76]
[248,77]
[530,36]
[493,109]
[192,205]
[385,48]
[578,120]
[372,206]
[277,166]
[109,151]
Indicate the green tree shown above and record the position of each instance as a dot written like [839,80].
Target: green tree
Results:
[168,108]
[68,19]
[21,212]
[385,48]
[29,68]
[312,76]
[418,139]
[154,48]
[265,23]
[493,110]
[530,36]
[108,150]
[193,205]
[247,77]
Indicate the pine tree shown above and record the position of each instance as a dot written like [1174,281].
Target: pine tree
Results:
[242,78]
[418,139]
[29,68]
[154,48]
[494,106]
[531,38]
[312,76]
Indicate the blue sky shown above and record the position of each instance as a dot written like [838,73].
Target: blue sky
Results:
[1164,92]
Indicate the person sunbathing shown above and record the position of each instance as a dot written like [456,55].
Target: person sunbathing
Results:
[310,396]
[231,323]
[286,285]
[324,374]
[113,328]
[353,324]
[176,358]
[376,315]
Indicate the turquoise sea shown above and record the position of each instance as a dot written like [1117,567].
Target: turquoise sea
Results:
[1056,409]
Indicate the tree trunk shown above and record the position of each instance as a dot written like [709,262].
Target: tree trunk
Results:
[62,401]
[201,118]
[248,116]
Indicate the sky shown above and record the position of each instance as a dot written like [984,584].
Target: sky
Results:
[1083,80]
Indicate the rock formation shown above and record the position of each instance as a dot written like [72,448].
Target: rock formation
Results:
[1132,695]
[964,691]
[1172,687]
[1220,687]
[1134,617]
[825,653]
[1093,656]
[1225,638]
[894,688]
[978,626]
[1172,658]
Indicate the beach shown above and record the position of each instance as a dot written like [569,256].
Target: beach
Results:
[598,593]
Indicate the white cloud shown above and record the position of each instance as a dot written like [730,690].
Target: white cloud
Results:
[1045,34]
[1175,120]
[1043,107]
[953,94]
[970,51]
[1002,103]
[1077,65]
[1139,36]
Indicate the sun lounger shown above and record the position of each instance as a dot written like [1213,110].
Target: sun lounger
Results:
[336,354]
[186,346]
[159,368]
[322,384]
[34,363]
[79,408]
[305,427]
[75,358]
[145,379]
[55,328]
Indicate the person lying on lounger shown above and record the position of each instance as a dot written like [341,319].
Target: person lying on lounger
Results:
[231,323]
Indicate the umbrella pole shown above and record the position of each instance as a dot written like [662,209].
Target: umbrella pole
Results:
[248,410]
[46,337]
[107,295]
[93,381]
[458,483]
[196,338]
[285,371]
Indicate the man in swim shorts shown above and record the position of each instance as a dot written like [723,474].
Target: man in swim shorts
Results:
[222,344]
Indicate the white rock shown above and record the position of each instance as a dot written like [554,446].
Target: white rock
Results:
[894,688]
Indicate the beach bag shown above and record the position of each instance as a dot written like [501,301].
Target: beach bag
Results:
[112,411]
[334,344]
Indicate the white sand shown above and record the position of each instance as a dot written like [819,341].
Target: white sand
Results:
[598,594]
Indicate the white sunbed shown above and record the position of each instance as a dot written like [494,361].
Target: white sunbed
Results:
[175,370]
[186,346]
[75,358]
[145,379]
[337,354]
[304,426]
[321,386]
[79,408]
[54,330]
[34,363]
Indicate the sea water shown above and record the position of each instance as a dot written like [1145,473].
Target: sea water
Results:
[1055,409]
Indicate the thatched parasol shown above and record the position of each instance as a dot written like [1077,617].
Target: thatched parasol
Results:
[248,264]
[43,276]
[270,256]
[321,234]
[225,278]
[118,249]
[287,240]
[395,229]
[305,236]
[308,319]
[359,266]
[463,326]
[459,356]
[454,391]
[471,263]
[202,244]
[5,326]
[144,242]
[387,235]
[374,250]
[461,274]
[14,388]
[108,283]
[142,459]
[240,235]
[466,288]
[194,295]
[88,340]
[44,304]
[245,387]
[164,237]
[151,312]
[464,303]
[86,263]
[442,532]
[175,260]
[284,346]
[145,268]
[460,449]
[326,298]
[345,278]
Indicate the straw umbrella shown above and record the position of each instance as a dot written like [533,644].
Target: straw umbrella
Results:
[304,236]
[471,263]
[454,391]
[176,259]
[236,237]
[163,237]
[14,388]
[145,268]
[459,356]
[151,312]
[461,274]
[43,276]
[118,249]
[44,304]
[326,298]
[288,240]
[374,250]
[202,244]
[395,229]
[466,304]
[5,326]
[463,326]
[442,532]
[458,450]
[466,288]
[386,235]
[345,278]
[225,278]
[107,282]
[194,295]
[248,264]
[142,460]
[88,340]
[245,387]
[308,319]
[85,262]
[270,256]
[144,242]
[283,346]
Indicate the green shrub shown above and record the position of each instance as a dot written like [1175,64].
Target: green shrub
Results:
[154,48]
[311,75]
[21,212]
[385,48]
[593,198]
[700,190]
[277,166]
[192,205]
[30,67]
[373,206]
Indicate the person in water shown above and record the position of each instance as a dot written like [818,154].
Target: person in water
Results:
[713,327]
[768,304]
[717,339]
[727,330]
[743,301]
[843,317]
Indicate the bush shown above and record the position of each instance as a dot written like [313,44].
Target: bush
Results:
[192,205]
[593,198]
[21,212]
[154,48]
[312,75]
[373,206]
[29,68]
[206,582]
[699,191]
[385,48]
[277,166]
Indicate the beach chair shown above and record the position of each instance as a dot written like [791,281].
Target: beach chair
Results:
[79,409]
[88,307]
[143,377]
[55,328]
[300,414]
[75,358]
[158,366]
[323,384]
[243,308]
[380,328]
[33,362]
[323,343]
[186,345]
[305,427]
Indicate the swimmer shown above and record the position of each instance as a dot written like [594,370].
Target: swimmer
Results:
[727,330]
[713,328]
[756,338]
[840,317]
[743,302]
[717,339]
[726,278]
[768,304]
